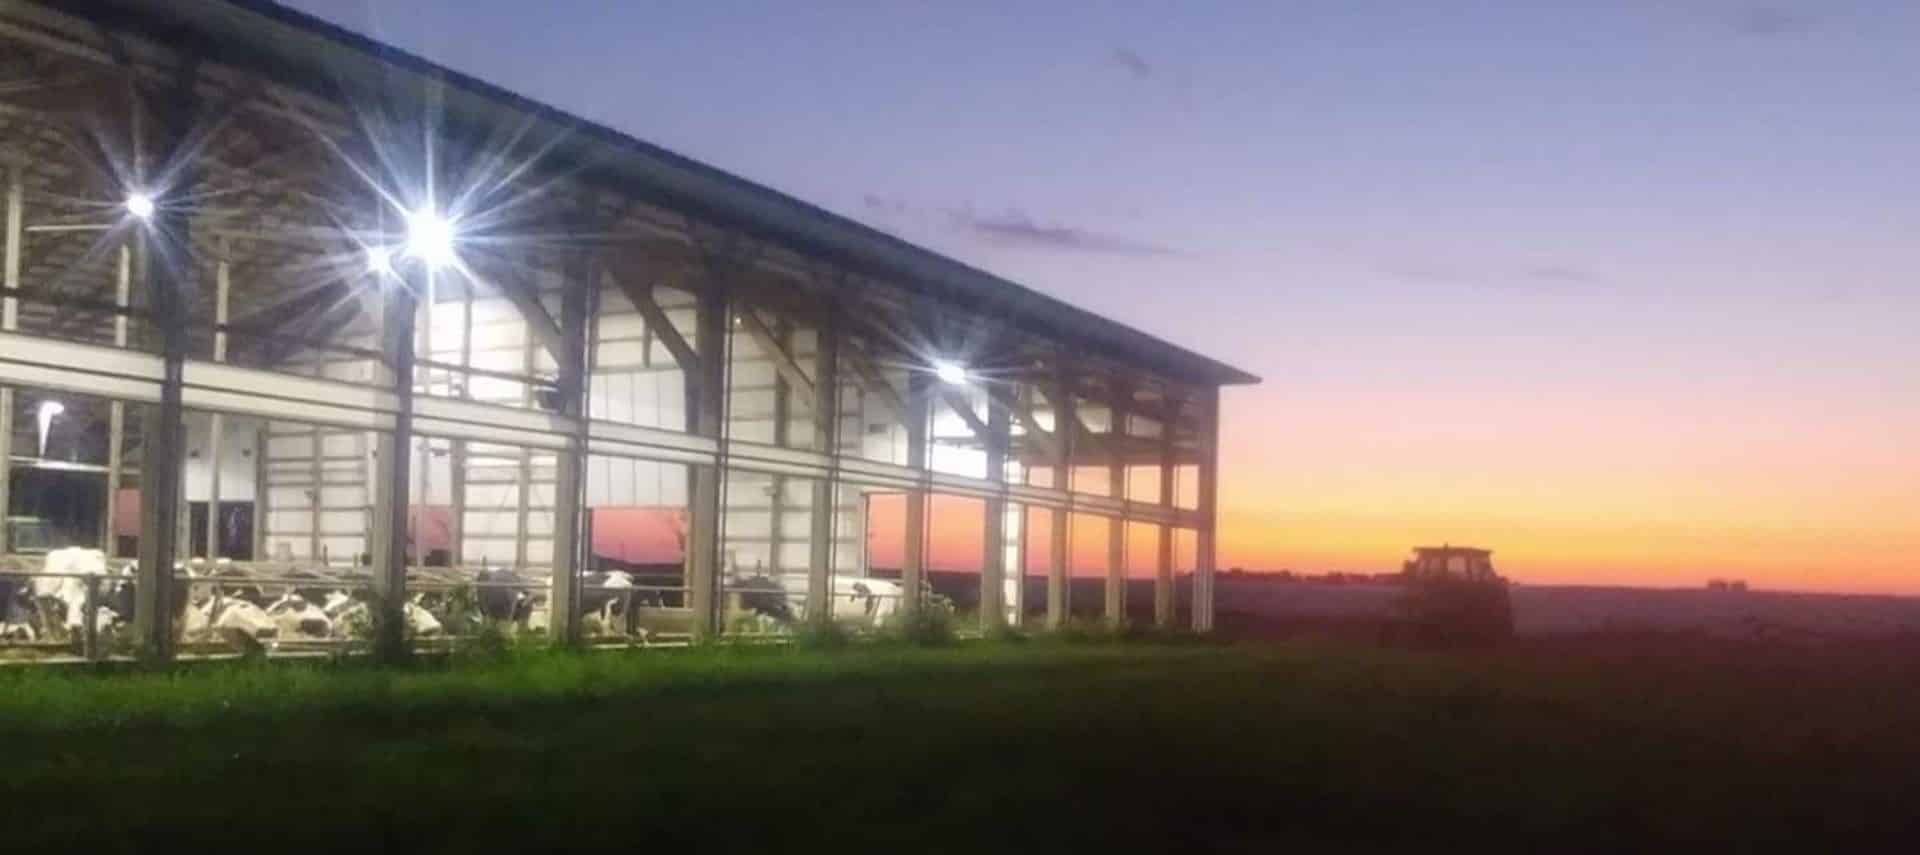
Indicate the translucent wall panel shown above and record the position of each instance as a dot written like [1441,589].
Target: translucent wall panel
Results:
[319,494]
[636,379]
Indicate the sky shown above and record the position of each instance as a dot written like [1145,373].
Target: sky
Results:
[1624,291]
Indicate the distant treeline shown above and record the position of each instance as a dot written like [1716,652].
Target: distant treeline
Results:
[1333,578]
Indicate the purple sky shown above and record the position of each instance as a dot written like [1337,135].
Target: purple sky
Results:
[1653,251]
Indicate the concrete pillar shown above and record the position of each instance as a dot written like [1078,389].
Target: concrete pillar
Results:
[160,479]
[1209,417]
[1163,560]
[913,565]
[707,390]
[826,439]
[993,565]
[571,551]
[392,460]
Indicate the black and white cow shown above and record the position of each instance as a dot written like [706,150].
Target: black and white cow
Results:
[502,604]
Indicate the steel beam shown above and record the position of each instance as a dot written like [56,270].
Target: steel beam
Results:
[1116,587]
[571,552]
[1203,571]
[117,409]
[392,459]
[657,322]
[993,566]
[826,440]
[913,565]
[160,465]
[777,350]
[1059,587]
[777,345]
[217,424]
[1163,605]
[10,247]
[707,418]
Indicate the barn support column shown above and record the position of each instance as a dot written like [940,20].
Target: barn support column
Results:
[706,417]
[782,437]
[826,440]
[262,497]
[570,549]
[1163,558]
[523,471]
[993,566]
[222,286]
[1209,499]
[162,431]
[9,319]
[457,451]
[1116,587]
[392,483]
[116,410]
[1059,609]
[913,564]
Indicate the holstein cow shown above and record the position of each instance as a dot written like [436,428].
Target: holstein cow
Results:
[124,591]
[855,600]
[502,604]
[68,594]
[606,595]
[16,609]
[765,598]
[350,614]
[231,614]
[298,618]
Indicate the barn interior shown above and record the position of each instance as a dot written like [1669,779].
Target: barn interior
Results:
[291,316]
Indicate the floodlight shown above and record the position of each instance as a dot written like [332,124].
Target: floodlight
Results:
[140,205]
[430,237]
[950,372]
[379,261]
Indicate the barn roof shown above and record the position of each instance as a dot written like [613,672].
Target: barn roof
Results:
[303,51]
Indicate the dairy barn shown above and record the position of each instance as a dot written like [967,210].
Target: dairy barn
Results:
[308,342]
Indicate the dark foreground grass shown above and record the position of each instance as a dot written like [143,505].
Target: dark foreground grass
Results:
[1002,747]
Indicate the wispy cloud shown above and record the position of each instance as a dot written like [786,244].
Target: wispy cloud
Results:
[1555,273]
[1016,229]
[1013,228]
[1770,22]
[1544,276]
[1131,62]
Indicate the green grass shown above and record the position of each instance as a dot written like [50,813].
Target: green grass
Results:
[967,747]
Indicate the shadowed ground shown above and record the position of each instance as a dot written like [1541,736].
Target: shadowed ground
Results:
[1002,747]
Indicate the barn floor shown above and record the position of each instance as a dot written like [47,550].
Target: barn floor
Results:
[978,747]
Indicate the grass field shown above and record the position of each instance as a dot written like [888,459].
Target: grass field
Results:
[980,747]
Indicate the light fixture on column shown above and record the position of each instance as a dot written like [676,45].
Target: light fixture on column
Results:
[46,413]
[379,261]
[430,237]
[140,205]
[950,372]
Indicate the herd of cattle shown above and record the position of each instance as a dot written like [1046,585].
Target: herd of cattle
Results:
[278,603]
